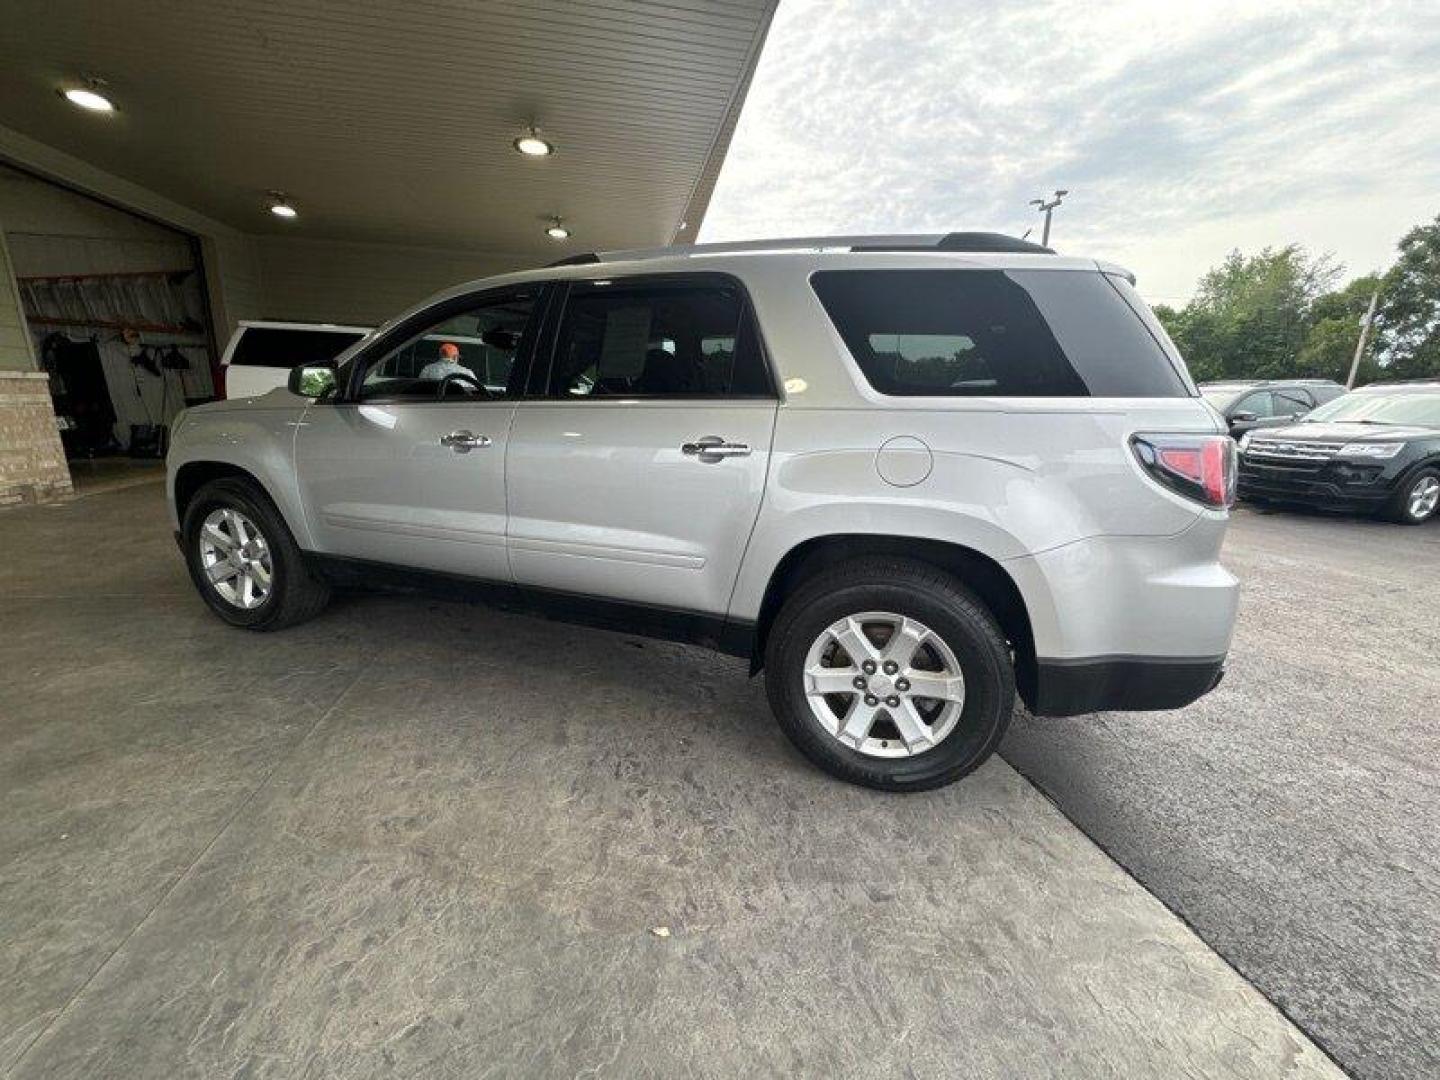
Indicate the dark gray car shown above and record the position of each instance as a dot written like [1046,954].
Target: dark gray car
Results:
[1249,405]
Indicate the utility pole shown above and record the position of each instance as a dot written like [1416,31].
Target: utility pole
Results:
[1049,208]
[1365,324]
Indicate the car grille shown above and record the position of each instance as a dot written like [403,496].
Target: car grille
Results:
[1280,450]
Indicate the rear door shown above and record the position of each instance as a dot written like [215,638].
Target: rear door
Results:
[408,468]
[636,471]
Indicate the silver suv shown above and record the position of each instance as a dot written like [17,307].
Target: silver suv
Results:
[908,477]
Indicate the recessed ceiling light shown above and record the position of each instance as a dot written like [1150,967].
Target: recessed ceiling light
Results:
[556,231]
[89,96]
[281,206]
[532,145]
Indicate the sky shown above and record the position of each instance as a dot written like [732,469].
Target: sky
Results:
[1183,130]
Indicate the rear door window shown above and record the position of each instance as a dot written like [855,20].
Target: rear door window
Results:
[653,337]
[272,347]
[1007,333]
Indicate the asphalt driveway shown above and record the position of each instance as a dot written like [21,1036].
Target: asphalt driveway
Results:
[1293,816]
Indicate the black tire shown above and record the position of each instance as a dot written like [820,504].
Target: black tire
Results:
[915,590]
[295,594]
[1398,509]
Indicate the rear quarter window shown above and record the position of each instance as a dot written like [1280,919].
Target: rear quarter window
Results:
[1004,333]
[272,347]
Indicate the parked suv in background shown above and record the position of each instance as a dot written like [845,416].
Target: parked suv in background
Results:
[907,477]
[1255,404]
[1375,450]
[260,355]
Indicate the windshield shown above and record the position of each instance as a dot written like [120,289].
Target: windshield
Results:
[1222,397]
[1422,409]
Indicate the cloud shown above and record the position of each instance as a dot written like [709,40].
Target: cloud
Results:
[1183,130]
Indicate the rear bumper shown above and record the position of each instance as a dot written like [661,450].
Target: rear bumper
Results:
[1149,597]
[1121,684]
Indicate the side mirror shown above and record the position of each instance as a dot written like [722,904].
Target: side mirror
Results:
[1243,417]
[311,380]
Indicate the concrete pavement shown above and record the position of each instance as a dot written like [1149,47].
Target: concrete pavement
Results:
[419,839]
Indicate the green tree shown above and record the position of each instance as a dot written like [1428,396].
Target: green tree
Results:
[1277,315]
[1408,323]
[1251,315]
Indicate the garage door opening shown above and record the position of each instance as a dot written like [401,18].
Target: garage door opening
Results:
[116,311]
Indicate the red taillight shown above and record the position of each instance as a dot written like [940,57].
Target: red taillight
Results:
[1200,467]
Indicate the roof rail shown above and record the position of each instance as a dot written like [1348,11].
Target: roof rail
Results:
[978,242]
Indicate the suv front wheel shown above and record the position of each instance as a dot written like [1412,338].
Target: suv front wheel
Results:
[1418,500]
[244,561]
[891,674]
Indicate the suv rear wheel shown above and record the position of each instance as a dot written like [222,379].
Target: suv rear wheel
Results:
[891,674]
[244,561]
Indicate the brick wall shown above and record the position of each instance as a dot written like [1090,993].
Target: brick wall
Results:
[32,462]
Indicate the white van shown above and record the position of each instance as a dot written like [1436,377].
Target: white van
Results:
[261,354]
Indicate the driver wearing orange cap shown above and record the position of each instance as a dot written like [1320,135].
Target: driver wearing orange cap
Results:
[448,364]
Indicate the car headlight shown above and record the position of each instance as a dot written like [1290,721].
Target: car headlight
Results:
[1245,442]
[1377,451]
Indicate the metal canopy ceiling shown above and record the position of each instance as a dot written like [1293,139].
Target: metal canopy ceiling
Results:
[390,121]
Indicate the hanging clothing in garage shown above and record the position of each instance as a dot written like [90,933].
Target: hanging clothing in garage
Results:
[81,396]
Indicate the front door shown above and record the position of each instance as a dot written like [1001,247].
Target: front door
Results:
[409,468]
[639,474]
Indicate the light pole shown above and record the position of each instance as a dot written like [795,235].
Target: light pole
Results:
[1049,208]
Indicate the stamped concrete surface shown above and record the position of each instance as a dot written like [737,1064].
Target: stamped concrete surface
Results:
[419,839]
[1293,816]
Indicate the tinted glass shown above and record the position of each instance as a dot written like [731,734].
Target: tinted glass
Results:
[1261,405]
[657,339]
[1292,401]
[264,347]
[468,354]
[1014,333]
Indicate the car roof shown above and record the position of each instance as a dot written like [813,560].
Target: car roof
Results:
[721,262]
[1413,386]
[803,255]
[1244,384]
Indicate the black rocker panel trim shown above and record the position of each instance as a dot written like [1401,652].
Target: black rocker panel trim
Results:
[735,637]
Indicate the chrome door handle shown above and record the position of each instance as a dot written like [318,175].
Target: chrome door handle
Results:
[713,446]
[464,441]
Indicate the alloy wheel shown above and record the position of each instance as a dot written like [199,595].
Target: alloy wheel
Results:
[884,684]
[236,558]
[1424,497]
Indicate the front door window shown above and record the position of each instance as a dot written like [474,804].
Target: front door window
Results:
[469,353]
